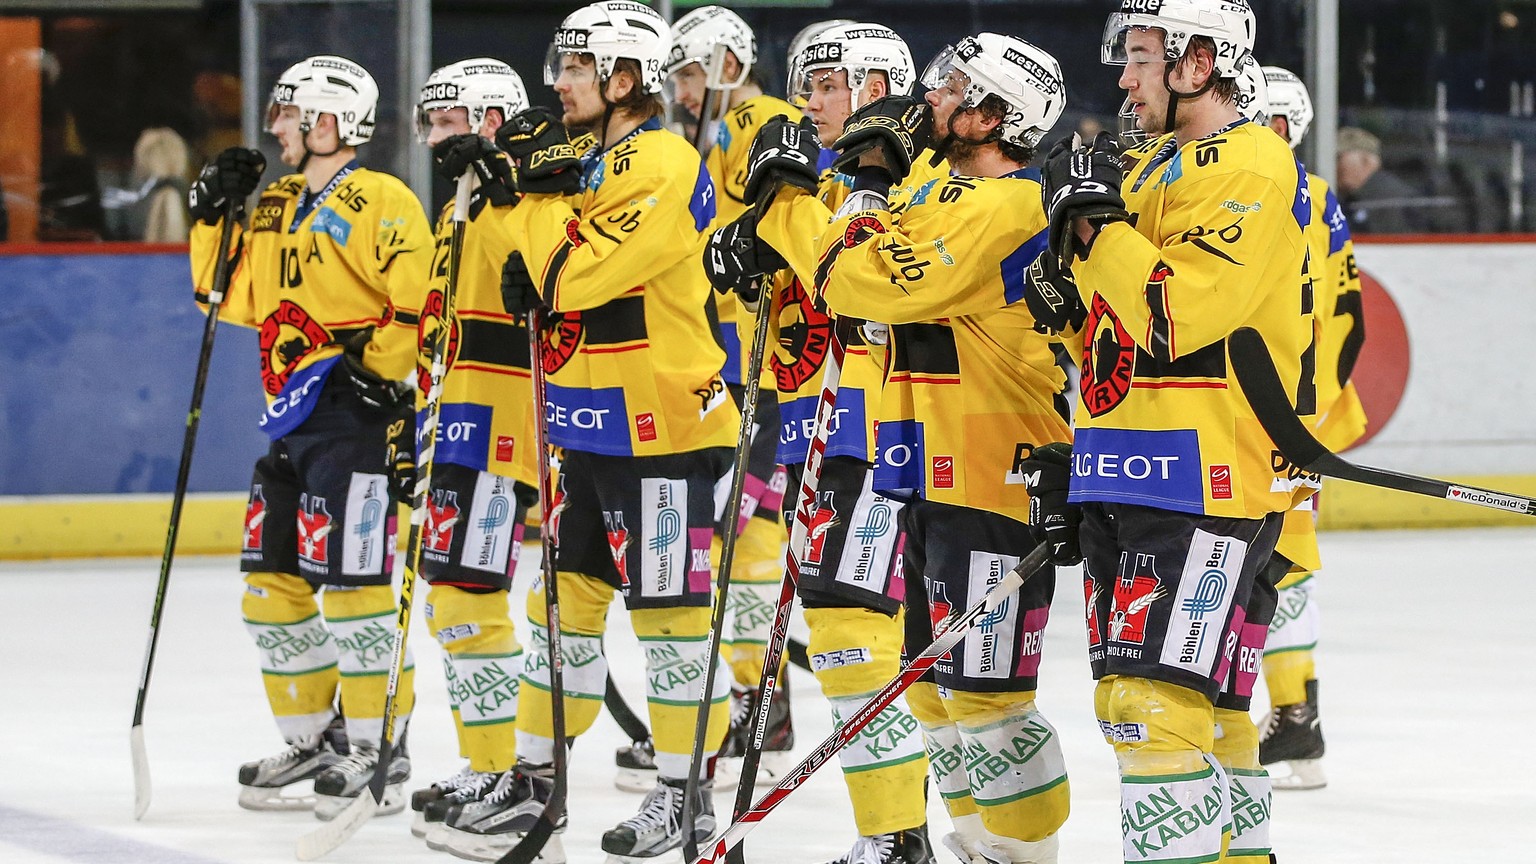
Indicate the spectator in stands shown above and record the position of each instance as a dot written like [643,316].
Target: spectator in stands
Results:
[1375,200]
[160,163]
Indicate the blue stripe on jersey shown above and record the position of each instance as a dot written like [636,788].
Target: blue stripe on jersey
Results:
[594,420]
[797,420]
[901,458]
[463,434]
[825,160]
[1338,226]
[1017,263]
[731,372]
[1301,207]
[702,202]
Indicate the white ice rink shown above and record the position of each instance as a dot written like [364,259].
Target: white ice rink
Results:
[1425,670]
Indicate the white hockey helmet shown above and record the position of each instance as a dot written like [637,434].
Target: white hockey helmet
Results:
[703,36]
[857,49]
[1252,96]
[326,84]
[1288,98]
[1021,75]
[610,31]
[477,85]
[1228,23]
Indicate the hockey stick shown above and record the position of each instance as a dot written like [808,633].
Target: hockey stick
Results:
[799,530]
[221,273]
[950,632]
[729,523]
[332,834]
[1256,373]
[633,726]
[528,848]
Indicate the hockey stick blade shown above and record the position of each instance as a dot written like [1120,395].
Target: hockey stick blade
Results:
[1256,373]
[950,632]
[323,840]
[141,784]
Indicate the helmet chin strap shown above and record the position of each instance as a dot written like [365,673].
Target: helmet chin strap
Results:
[304,131]
[1174,96]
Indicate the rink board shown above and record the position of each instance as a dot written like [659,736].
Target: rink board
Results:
[101,349]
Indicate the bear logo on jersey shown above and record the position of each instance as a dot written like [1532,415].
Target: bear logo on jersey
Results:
[314,530]
[562,335]
[805,335]
[428,330]
[286,337]
[1109,359]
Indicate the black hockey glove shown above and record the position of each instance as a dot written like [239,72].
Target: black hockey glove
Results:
[901,126]
[735,258]
[233,174]
[1081,182]
[1052,296]
[784,151]
[470,152]
[1048,475]
[372,388]
[400,455]
[518,293]
[547,160]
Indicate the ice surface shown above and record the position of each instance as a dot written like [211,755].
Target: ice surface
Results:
[1425,671]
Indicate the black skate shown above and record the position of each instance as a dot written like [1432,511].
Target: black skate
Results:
[339,785]
[263,782]
[483,830]
[636,767]
[1293,734]
[901,847]
[431,804]
[658,828]
[778,740]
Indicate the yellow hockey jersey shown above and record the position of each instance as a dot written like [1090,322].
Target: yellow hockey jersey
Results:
[487,417]
[727,163]
[632,357]
[1215,242]
[802,330]
[1339,328]
[309,282]
[970,382]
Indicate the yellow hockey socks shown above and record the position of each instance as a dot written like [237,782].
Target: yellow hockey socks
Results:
[363,623]
[298,656]
[483,664]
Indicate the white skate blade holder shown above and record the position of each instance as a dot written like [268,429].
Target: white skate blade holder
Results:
[1305,774]
[473,847]
[324,839]
[141,784]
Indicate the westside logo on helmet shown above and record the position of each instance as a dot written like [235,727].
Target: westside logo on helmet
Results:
[442,91]
[565,39]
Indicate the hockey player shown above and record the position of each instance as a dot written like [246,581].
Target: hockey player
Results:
[945,266]
[712,61]
[331,272]
[848,584]
[1179,489]
[610,242]
[1292,733]
[484,470]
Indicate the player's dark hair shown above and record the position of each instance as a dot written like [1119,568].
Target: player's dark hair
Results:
[1225,89]
[637,102]
[993,107]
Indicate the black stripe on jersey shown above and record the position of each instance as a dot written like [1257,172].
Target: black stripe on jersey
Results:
[1156,298]
[617,321]
[712,315]
[556,267]
[495,343]
[409,319]
[924,349]
[1209,362]
[1306,385]
[1349,303]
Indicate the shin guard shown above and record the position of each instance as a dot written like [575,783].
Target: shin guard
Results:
[854,652]
[486,663]
[298,656]
[363,621]
[583,618]
[676,646]
[1237,749]
[1014,763]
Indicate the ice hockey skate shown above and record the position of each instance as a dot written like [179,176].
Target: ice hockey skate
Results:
[264,783]
[484,829]
[778,740]
[636,764]
[1001,850]
[340,784]
[657,828]
[910,846]
[1293,734]
[432,803]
